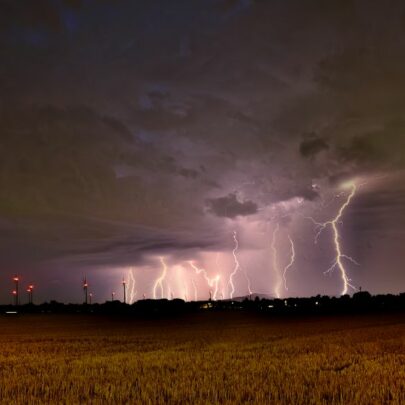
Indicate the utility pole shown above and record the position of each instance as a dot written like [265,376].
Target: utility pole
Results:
[112,296]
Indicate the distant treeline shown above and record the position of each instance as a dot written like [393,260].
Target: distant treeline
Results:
[359,302]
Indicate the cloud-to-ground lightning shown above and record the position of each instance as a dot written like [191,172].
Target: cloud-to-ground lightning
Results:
[159,280]
[340,256]
[236,268]
[276,268]
[248,282]
[195,289]
[217,266]
[212,282]
[290,263]
[185,292]
[131,286]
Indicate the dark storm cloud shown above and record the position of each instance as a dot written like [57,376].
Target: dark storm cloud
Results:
[230,207]
[63,159]
[136,247]
[43,14]
[143,113]
[312,146]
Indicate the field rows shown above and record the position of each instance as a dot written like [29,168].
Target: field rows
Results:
[204,361]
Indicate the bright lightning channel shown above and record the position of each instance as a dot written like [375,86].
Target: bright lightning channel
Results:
[212,282]
[290,263]
[131,286]
[338,262]
[217,266]
[159,281]
[195,289]
[248,282]
[276,268]
[185,292]
[236,268]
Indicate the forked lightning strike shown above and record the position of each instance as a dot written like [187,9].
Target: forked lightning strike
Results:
[212,282]
[159,281]
[338,262]
[290,263]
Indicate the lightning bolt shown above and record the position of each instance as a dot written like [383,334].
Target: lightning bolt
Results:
[195,289]
[340,256]
[290,263]
[217,266]
[212,282]
[185,292]
[216,282]
[131,286]
[159,281]
[276,268]
[236,268]
[248,282]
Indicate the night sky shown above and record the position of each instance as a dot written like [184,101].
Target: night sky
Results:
[137,132]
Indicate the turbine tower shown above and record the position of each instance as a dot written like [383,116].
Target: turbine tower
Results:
[85,287]
[30,291]
[16,280]
[124,285]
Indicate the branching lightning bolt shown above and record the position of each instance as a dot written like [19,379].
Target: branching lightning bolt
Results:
[212,282]
[159,281]
[290,263]
[338,262]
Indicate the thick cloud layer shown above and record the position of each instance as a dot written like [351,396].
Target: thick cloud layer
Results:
[230,207]
[191,121]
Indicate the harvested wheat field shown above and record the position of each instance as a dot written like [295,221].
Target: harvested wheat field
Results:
[205,358]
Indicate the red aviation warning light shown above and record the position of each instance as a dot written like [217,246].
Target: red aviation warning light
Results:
[30,291]
[16,280]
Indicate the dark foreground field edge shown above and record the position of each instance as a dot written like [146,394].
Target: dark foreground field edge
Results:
[360,302]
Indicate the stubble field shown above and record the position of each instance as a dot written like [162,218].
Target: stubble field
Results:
[205,358]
